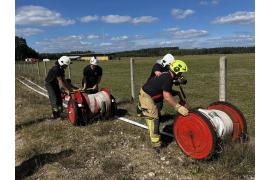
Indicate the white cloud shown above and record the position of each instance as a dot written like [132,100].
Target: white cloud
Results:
[38,15]
[239,17]
[138,36]
[119,38]
[174,37]
[63,44]
[172,29]
[144,19]
[24,32]
[105,44]
[181,13]
[86,19]
[116,19]
[207,2]
[189,33]
[233,40]
[92,36]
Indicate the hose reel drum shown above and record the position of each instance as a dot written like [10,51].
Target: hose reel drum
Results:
[198,133]
[83,107]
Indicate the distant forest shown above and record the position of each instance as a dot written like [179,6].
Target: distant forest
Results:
[22,51]
[176,51]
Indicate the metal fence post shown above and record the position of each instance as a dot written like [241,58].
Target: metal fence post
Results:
[222,78]
[132,78]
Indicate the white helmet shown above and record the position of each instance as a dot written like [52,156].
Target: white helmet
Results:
[64,60]
[93,61]
[167,60]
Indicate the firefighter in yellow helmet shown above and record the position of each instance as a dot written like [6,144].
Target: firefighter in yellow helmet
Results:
[159,87]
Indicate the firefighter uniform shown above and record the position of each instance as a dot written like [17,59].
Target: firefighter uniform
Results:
[52,86]
[152,91]
[158,67]
[91,76]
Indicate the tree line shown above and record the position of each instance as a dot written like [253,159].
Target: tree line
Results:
[180,52]
[23,51]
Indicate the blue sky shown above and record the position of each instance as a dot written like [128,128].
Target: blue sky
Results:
[117,25]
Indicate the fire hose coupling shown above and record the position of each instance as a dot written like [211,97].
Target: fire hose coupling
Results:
[181,109]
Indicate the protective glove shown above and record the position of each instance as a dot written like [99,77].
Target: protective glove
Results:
[181,109]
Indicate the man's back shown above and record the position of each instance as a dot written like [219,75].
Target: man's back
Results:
[156,85]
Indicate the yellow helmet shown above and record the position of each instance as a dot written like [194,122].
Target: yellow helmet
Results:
[178,66]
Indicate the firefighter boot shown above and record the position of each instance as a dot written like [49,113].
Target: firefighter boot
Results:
[153,128]
[55,113]
[139,110]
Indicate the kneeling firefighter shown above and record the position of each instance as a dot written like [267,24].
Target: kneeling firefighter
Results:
[56,76]
[156,88]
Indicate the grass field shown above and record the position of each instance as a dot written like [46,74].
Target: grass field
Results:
[115,150]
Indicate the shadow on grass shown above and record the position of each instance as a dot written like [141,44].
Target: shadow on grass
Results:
[167,139]
[29,123]
[125,101]
[166,117]
[119,112]
[30,166]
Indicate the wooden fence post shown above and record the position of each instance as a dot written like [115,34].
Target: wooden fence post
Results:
[45,68]
[69,72]
[222,78]
[38,70]
[132,79]
[32,67]
[29,68]
[25,67]
[20,67]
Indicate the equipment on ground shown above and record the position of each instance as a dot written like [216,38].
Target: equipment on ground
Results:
[199,133]
[83,107]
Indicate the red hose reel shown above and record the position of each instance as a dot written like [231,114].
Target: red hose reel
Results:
[81,108]
[197,136]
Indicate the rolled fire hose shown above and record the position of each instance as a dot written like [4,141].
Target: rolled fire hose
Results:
[222,123]
[198,134]
[99,101]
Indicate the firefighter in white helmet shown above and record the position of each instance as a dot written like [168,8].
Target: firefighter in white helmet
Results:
[92,74]
[56,76]
[161,65]
[156,88]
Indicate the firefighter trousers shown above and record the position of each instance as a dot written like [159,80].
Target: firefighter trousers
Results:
[150,110]
[54,93]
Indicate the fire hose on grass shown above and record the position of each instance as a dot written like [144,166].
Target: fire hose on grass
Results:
[197,134]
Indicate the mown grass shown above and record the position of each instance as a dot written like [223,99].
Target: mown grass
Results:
[116,150]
